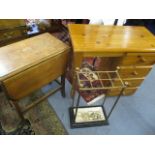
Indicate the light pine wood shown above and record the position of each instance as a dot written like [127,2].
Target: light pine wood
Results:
[132,82]
[99,38]
[127,46]
[127,91]
[133,71]
[138,59]
[23,54]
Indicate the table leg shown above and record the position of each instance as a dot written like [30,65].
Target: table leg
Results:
[15,103]
[77,62]
[63,85]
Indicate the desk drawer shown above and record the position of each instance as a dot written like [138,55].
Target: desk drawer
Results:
[35,77]
[138,59]
[127,91]
[132,82]
[133,71]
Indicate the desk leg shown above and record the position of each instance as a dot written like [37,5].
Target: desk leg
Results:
[77,62]
[15,103]
[63,85]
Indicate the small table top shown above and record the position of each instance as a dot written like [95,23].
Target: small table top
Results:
[23,54]
[99,38]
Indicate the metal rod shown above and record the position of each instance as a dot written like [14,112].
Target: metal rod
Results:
[77,105]
[110,79]
[58,82]
[104,99]
[73,100]
[99,88]
[102,79]
[63,85]
[98,71]
[94,61]
[115,102]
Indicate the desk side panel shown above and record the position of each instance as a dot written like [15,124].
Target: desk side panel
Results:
[27,81]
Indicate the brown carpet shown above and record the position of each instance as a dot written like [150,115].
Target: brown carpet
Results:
[42,117]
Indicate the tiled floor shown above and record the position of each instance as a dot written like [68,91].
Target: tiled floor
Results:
[133,115]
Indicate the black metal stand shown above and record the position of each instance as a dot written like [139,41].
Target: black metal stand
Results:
[94,115]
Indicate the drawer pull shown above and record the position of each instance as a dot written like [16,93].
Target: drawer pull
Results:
[118,68]
[142,59]
[134,73]
[127,84]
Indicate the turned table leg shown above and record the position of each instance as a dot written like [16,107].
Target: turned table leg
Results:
[63,85]
[76,63]
[15,103]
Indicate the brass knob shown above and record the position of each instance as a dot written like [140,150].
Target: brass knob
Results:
[127,84]
[77,68]
[118,68]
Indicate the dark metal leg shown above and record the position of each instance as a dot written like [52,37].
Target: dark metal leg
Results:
[18,109]
[77,105]
[73,100]
[115,102]
[104,100]
[72,94]
[63,86]
[94,61]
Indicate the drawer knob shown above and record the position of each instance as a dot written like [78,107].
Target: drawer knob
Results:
[127,84]
[134,73]
[142,59]
[118,68]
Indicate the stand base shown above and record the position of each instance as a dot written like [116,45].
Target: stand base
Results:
[87,116]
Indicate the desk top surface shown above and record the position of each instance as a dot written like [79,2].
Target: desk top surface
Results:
[23,54]
[99,38]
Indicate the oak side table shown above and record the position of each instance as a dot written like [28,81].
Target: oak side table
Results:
[27,65]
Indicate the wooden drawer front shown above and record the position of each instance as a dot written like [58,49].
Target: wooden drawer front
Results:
[35,77]
[127,91]
[131,82]
[133,72]
[138,59]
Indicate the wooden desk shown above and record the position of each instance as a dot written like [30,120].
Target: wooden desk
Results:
[27,65]
[130,49]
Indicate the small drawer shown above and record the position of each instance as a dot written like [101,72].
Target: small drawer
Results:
[138,59]
[127,91]
[133,71]
[131,82]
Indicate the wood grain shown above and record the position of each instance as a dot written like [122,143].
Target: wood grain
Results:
[124,46]
[127,91]
[99,38]
[29,80]
[133,71]
[23,54]
[138,59]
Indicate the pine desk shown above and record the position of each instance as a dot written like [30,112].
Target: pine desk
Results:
[130,49]
[27,65]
